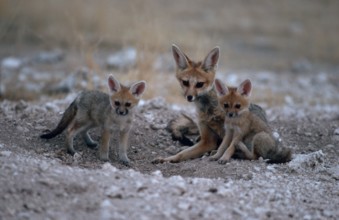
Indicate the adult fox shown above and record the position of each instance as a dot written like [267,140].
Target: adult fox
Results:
[197,83]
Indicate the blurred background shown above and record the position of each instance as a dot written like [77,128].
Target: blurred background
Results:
[50,47]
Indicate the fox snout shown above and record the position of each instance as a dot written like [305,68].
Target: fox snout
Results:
[121,111]
[231,114]
[190,94]
[190,98]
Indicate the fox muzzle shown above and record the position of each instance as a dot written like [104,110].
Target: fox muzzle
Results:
[190,98]
[121,112]
[231,114]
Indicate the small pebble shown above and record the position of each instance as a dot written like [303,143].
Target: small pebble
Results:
[5,153]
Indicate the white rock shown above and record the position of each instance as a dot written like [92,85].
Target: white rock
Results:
[157,173]
[76,157]
[184,205]
[106,203]
[107,166]
[313,161]
[123,59]
[336,131]
[114,192]
[22,129]
[334,171]
[53,56]
[11,63]
[44,165]
[105,212]
[5,153]
[289,100]
[50,106]
[276,135]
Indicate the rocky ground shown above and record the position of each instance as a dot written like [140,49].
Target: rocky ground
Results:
[39,180]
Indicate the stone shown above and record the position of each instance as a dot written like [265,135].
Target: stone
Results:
[123,59]
[52,56]
[5,153]
[11,63]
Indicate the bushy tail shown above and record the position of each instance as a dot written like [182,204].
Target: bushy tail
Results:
[181,127]
[283,155]
[67,117]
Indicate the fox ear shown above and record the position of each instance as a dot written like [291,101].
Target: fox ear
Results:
[138,88]
[245,88]
[220,87]
[113,84]
[179,57]
[211,60]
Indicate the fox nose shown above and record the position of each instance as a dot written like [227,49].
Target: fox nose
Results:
[189,98]
[121,112]
[231,114]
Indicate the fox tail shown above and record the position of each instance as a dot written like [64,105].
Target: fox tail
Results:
[66,119]
[283,155]
[182,127]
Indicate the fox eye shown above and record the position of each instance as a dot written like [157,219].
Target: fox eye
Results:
[185,83]
[127,104]
[199,85]
[117,103]
[226,105]
[237,106]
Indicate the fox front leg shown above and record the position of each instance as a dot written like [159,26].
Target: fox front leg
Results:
[237,136]
[223,146]
[104,146]
[123,145]
[230,150]
[248,154]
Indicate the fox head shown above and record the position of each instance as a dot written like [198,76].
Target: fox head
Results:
[234,100]
[123,98]
[195,78]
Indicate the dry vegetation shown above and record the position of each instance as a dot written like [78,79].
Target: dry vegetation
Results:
[253,35]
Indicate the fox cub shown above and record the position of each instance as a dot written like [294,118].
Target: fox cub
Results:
[97,109]
[245,130]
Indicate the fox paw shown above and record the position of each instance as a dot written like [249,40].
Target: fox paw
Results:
[223,161]
[71,151]
[103,157]
[158,160]
[213,158]
[127,163]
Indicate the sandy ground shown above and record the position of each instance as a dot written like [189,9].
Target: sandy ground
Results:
[39,180]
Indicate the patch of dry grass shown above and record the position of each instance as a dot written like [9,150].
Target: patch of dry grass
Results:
[252,34]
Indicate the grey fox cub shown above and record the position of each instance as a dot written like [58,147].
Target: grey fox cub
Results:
[97,109]
[244,129]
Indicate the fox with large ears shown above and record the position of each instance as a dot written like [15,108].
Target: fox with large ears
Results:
[92,109]
[244,129]
[196,80]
